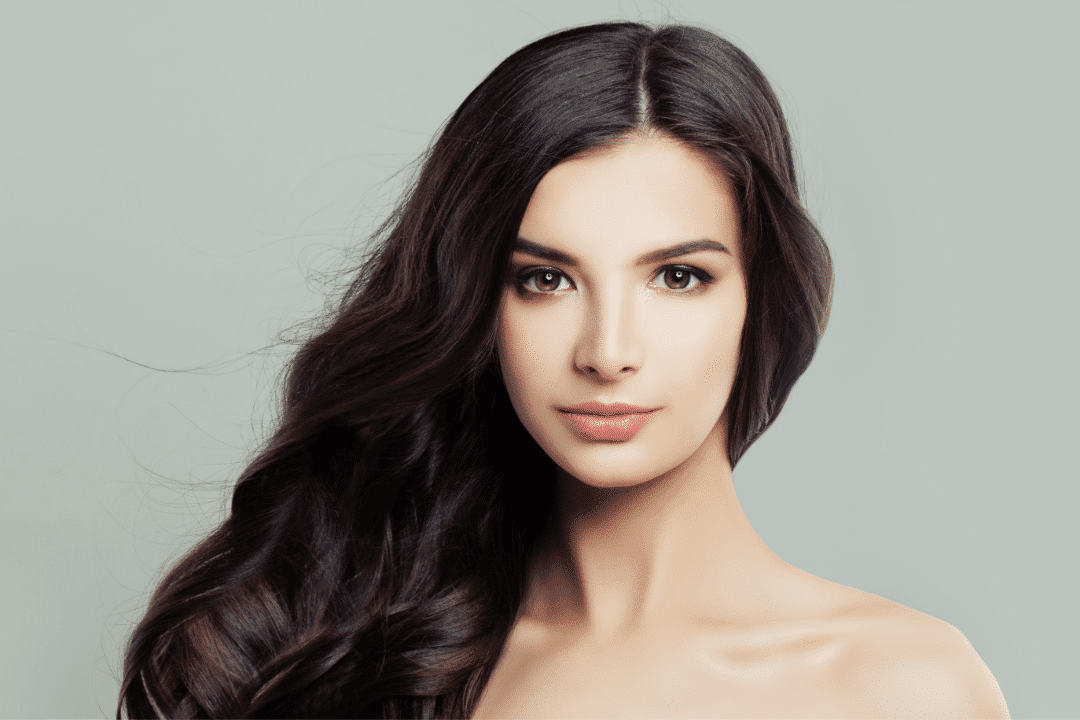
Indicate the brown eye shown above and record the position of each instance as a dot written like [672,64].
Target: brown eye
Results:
[682,277]
[547,280]
[543,280]
[677,278]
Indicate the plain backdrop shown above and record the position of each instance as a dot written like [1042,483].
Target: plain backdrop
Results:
[177,179]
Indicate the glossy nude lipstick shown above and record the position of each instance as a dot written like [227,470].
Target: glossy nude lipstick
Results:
[600,422]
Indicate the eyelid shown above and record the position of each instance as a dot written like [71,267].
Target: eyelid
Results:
[525,274]
[703,278]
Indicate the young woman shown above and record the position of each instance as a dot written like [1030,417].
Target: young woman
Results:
[502,486]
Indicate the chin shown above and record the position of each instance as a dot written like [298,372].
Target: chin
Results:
[607,481]
[614,465]
[636,462]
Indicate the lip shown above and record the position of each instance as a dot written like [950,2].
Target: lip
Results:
[603,422]
[605,409]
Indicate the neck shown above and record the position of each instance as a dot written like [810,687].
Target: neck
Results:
[615,560]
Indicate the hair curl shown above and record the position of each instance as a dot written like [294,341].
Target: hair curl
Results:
[373,561]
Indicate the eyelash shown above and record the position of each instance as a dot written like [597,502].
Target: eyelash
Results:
[703,278]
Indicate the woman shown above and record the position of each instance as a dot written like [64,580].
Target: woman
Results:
[502,482]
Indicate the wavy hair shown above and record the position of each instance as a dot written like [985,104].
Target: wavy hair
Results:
[373,560]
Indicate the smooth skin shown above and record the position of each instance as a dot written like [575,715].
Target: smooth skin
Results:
[649,594]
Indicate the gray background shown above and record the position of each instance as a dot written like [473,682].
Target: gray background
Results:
[175,180]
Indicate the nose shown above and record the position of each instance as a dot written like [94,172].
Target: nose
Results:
[610,344]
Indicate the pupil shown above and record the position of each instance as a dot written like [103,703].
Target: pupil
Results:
[680,278]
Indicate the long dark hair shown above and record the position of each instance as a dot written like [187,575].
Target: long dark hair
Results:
[373,561]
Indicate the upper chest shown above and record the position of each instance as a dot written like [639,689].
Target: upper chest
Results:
[778,672]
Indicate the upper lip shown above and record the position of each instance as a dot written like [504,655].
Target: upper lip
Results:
[599,408]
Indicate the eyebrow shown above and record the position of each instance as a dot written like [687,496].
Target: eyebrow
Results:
[684,248]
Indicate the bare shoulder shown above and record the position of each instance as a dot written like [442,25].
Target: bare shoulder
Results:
[903,663]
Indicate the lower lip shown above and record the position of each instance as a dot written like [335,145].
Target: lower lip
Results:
[607,428]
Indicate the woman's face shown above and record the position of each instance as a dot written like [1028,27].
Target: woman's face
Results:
[626,287]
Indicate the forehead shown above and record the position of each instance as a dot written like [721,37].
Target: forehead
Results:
[637,196]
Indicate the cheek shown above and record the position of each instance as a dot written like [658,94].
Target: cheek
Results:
[526,352]
[718,370]
[698,347]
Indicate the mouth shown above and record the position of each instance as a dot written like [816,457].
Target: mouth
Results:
[609,423]
[605,409]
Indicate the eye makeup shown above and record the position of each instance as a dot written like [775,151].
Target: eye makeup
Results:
[546,280]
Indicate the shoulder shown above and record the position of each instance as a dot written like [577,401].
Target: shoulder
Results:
[903,663]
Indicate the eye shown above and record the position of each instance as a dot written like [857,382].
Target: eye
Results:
[682,277]
[543,280]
